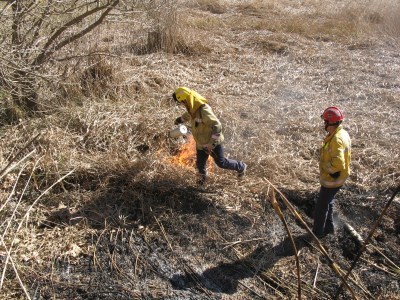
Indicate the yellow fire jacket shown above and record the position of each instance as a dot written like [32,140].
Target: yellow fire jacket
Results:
[335,154]
[206,128]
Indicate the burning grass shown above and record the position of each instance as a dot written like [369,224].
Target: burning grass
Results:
[186,156]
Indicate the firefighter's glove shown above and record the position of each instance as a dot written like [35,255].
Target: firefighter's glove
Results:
[178,120]
[214,139]
[335,175]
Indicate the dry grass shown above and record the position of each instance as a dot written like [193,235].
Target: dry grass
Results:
[129,219]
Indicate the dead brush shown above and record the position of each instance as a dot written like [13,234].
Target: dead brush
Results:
[213,6]
[347,20]
[163,33]
[384,19]
[97,79]
[15,216]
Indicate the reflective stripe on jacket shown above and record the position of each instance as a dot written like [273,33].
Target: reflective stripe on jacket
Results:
[335,159]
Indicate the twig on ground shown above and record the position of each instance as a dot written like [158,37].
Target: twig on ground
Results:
[15,270]
[8,167]
[186,266]
[316,275]
[23,219]
[357,237]
[162,230]
[231,244]
[95,247]
[250,289]
[21,196]
[396,267]
[12,193]
[352,279]
[262,276]
[378,267]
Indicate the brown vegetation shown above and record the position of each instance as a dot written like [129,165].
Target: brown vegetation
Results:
[92,205]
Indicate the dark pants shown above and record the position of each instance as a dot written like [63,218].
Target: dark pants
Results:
[323,213]
[218,155]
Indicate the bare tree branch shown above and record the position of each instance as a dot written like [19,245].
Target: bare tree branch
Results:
[41,57]
[33,32]
[88,29]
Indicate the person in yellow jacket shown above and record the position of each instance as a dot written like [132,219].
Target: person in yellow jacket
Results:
[334,169]
[207,132]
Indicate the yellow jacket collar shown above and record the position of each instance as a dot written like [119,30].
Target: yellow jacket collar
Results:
[329,136]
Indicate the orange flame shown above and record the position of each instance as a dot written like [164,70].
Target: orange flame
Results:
[186,156]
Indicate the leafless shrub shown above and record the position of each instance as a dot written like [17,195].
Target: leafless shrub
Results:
[33,33]
[163,31]
[97,79]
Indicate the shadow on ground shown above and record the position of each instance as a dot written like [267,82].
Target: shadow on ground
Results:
[124,201]
[225,277]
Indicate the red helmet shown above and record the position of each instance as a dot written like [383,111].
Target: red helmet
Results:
[332,115]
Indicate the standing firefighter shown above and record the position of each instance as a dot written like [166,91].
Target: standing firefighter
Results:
[207,132]
[334,169]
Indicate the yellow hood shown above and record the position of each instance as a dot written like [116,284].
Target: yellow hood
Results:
[193,100]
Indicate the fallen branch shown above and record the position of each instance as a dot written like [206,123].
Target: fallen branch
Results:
[250,289]
[378,267]
[162,231]
[9,168]
[14,213]
[280,215]
[262,276]
[352,280]
[394,266]
[357,237]
[12,193]
[188,269]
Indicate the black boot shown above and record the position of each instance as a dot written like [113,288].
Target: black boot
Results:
[201,179]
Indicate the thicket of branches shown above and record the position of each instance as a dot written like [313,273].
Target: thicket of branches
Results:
[38,37]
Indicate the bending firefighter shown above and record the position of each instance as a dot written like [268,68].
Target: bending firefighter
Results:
[334,169]
[207,132]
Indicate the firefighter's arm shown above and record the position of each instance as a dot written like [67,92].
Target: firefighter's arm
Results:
[212,122]
[182,119]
